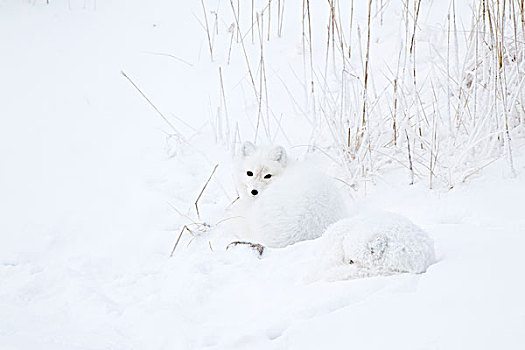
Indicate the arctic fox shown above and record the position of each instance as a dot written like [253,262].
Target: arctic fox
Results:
[283,203]
[375,243]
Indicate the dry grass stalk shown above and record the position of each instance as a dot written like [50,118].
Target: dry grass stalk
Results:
[269,18]
[310,46]
[202,191]
[263,87]
[362,128]
[410,166]
[280,18]
[210,45]
[256,246]
[244,48]
[178,239]
[152,105]
[224,104]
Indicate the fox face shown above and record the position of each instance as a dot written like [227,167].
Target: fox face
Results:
[258,167]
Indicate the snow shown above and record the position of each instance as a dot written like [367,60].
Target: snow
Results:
[89,180]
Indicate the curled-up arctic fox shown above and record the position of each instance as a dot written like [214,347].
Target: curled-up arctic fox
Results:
[282,202]
[379,243]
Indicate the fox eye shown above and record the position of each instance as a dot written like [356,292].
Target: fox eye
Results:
[249,173]
[267,176]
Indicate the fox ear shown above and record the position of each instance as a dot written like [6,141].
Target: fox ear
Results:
[247,149]
[279,155]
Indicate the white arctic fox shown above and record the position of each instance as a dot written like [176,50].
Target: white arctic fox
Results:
[376,243]
[283,203]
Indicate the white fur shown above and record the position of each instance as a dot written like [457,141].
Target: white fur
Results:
[297,203]
[381,243]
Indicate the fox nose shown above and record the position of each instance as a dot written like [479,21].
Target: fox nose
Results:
[254,192]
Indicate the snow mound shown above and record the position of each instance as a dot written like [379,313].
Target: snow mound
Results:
[382,243]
